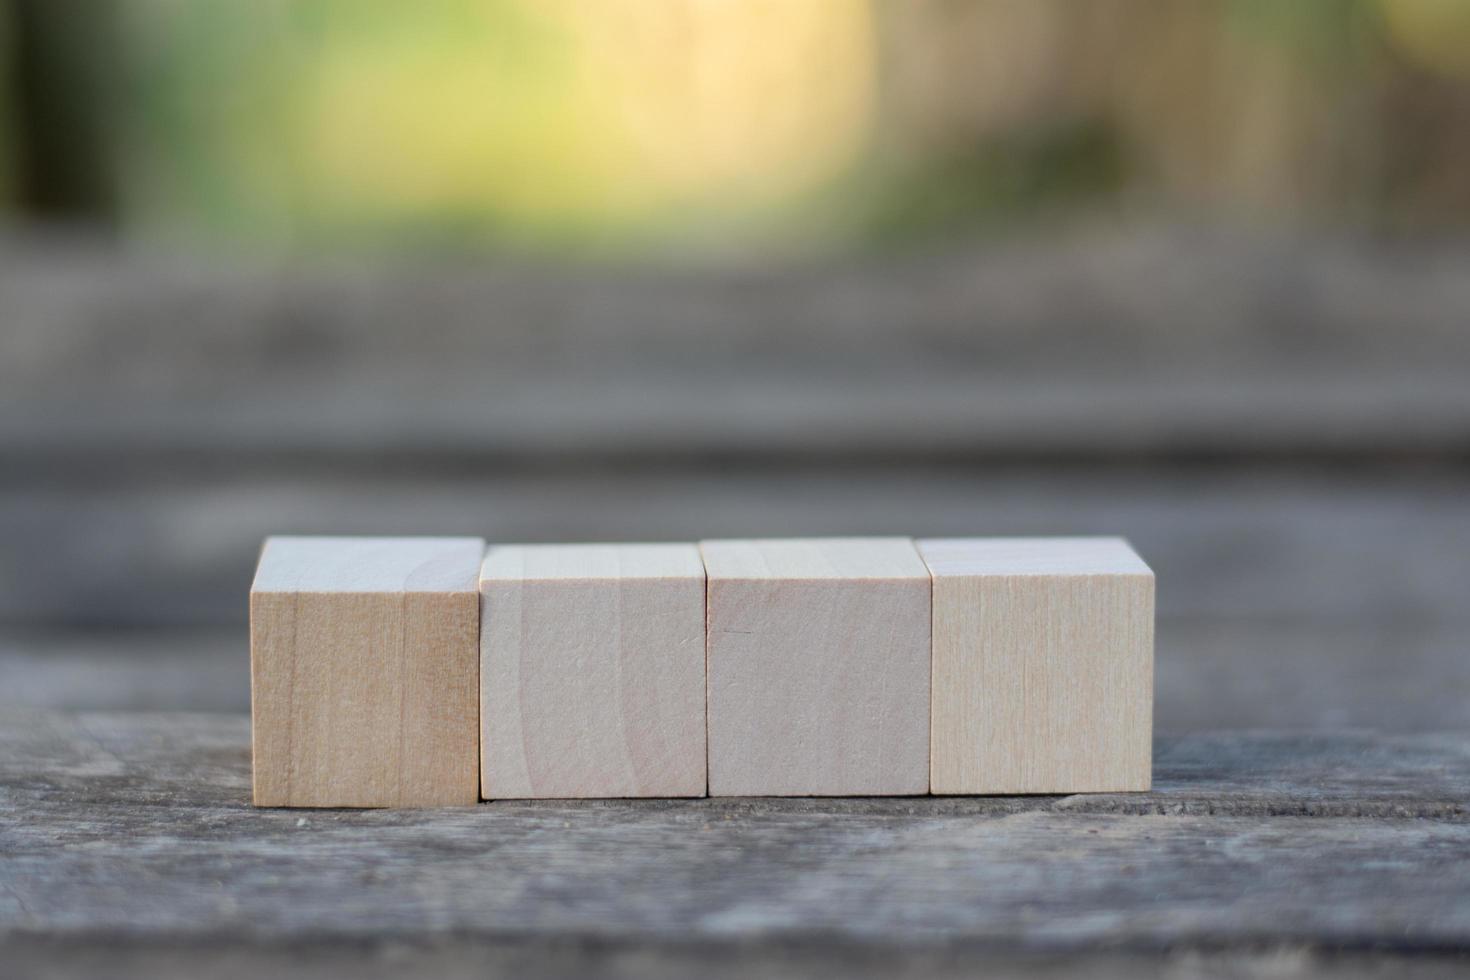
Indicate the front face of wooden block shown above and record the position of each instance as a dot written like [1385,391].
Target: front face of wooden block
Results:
[593,687]
[364,698]
[1042,683]
[818,687]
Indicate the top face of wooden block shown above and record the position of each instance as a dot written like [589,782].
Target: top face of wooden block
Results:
[357,565]
[565,562]
[1031,556]
[813,558]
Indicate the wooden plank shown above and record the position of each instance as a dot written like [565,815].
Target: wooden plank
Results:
[592,680]
[458,416]
[1113,293]
[134,670]
[363,657]
[136,761]
[476,958]
[121,827]
[818,667]
[1212,674]
[1043,665]
[1178,343]
[1263,544]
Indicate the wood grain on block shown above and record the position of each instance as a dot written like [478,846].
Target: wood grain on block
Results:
[818,667]
[363,664]
[592,671]
[1043,665]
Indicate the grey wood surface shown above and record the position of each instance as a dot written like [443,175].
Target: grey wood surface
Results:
[1210,674]
[475,957]
[133,833]
[1281,426]
[1368,545]
[1117,342]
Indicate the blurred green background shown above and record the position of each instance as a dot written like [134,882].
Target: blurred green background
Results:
[683,126]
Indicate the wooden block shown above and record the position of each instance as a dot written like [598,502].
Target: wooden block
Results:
[818,667]
[1043,665]
[363,663]
[592,671]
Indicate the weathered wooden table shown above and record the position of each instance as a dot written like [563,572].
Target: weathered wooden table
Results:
[1282,428]
[128,846]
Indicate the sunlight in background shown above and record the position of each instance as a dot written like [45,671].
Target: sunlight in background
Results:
[720,127]
[1435,33]
[525,118]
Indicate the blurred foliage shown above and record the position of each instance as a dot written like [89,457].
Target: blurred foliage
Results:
[9,127]
[676,123]
[1019,177]
[65,108]
[1435,33]
[500,119]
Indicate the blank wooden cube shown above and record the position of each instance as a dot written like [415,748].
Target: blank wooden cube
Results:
[1043,665]
[818,667]
[363,661]
[592,671]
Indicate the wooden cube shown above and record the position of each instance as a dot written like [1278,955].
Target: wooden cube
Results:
[818,667]
[592,671]
[1043,665]
[363,662]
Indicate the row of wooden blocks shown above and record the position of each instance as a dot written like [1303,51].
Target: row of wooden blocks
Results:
[432,671]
